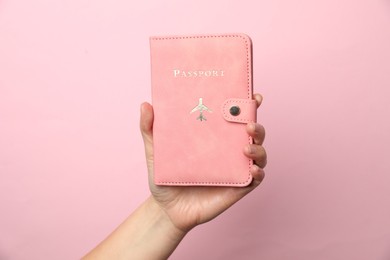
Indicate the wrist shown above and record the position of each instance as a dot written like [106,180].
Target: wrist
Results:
[163,221]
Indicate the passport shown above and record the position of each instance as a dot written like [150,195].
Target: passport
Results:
[202,101]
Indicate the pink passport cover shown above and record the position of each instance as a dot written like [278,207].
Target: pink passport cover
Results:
[196,80]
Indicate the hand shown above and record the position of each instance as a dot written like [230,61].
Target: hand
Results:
[187,207]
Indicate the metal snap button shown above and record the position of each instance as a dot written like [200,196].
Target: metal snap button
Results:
[235,110]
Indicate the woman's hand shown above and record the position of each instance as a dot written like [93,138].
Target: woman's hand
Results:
[189,206]
[157,226]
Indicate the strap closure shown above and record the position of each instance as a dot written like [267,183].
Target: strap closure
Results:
[239,110]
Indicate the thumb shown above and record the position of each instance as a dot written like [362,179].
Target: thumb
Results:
[146,126]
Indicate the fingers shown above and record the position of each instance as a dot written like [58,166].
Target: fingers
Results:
[257,174]
[256,153]
[258,98]
[257,132]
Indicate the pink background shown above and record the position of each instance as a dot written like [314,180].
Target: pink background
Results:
[73,74]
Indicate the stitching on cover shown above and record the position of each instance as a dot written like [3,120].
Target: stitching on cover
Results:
[203,182]
[249,97]
[198,36]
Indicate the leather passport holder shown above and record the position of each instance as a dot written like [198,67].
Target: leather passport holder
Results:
[202,100]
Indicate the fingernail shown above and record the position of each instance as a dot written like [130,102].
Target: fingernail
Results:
[255,167]
[252,126]
[251,149]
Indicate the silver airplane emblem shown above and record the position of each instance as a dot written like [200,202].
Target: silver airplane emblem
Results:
[201,108]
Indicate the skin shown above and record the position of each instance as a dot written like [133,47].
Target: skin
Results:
[154,230]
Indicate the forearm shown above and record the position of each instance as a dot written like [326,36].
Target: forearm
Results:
[146,234]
